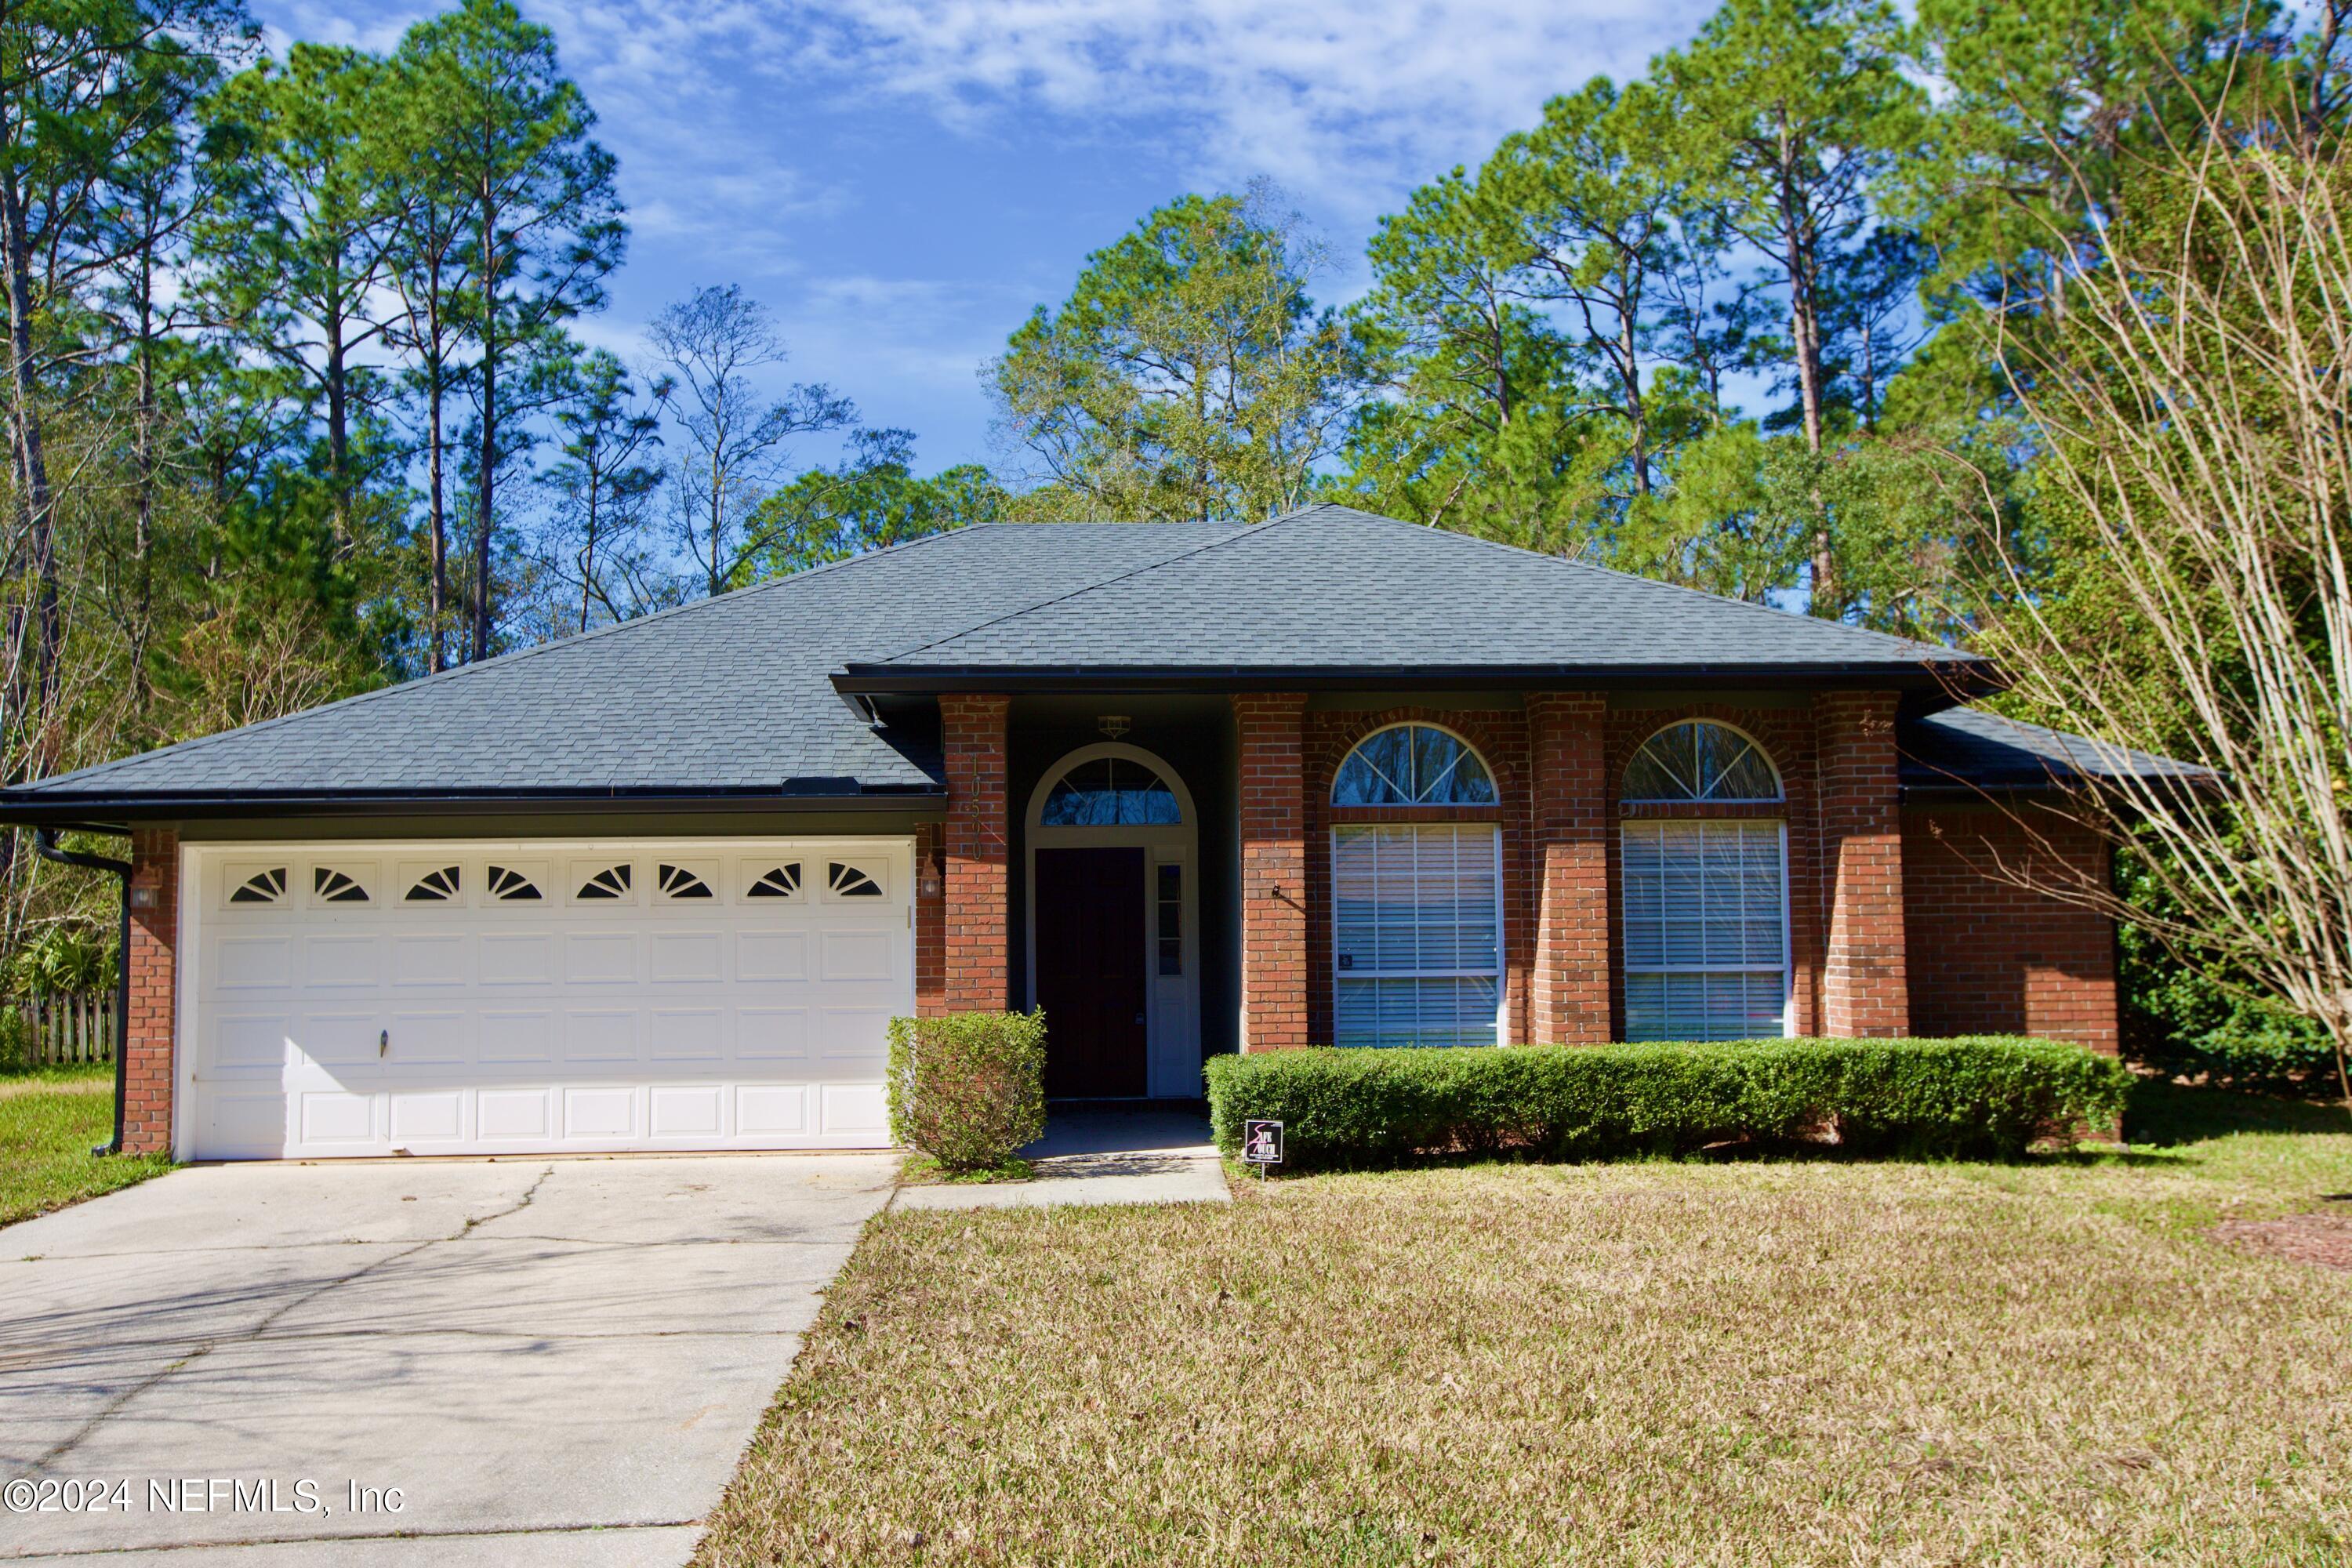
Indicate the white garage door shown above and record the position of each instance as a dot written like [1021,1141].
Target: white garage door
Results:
[540,996]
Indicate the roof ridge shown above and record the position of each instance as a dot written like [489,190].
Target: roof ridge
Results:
[1089,587]
[442,677]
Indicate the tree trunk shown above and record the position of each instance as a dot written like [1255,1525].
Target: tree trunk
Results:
[1805,333]
[438,509]
[142,545]
[485,478]
[338,376]
[1637,412]
[718,517]
[588,558]
[36,505]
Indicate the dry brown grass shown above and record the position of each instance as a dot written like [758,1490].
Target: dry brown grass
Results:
[1809,1362]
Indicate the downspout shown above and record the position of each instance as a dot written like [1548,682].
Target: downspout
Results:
[45,841]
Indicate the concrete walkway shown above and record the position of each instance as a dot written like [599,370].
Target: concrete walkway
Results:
[552,1360]
[1099,1157]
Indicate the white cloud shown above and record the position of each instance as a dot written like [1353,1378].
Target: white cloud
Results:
[1337,103]
[758,141]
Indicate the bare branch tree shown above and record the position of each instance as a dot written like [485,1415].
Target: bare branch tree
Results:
[713,345]
[2192,411]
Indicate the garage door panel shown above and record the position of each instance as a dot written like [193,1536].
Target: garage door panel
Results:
[600,958]
[515,1115]
[854,1108]
[858,954]
[337,1116]
[859,1034]
[247,1041]
[604,1112]
[771,956]
[749,1014]
[517,958]
[435,961]
[686,957]
[600,1034]
[438,1117]
[247,1125]
[253,963]
[684,1033]
[419,1041]
[519,1036]
[339,1038]
[772,1034]
[342,962]
[684,1110]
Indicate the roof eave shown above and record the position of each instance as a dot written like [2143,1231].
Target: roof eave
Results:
[39,809]
[1953,680]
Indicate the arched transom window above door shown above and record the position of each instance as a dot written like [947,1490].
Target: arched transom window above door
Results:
[1413,764]
[1110,792]
[1700,762]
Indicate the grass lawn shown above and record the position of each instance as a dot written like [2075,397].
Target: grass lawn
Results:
[1815,1362]
[51,1120]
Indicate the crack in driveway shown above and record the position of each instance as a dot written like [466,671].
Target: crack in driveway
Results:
[260,1330]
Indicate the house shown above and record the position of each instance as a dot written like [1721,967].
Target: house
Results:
[1191,788]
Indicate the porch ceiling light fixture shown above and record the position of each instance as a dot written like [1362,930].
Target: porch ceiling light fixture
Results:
[1113,725]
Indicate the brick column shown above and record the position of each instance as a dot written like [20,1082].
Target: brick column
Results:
[1274,869]
[931,919]
[1568,995]
[1865,980]
[152,1028]
[972,732]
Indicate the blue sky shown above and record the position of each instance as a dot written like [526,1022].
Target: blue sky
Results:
[901,181]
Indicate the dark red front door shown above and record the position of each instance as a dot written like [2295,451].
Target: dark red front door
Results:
[1091,971]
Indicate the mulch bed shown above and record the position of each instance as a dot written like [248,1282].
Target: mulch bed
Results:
[2322,1239]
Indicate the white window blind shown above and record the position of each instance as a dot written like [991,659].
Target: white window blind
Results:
[1706,930]
[1417,931]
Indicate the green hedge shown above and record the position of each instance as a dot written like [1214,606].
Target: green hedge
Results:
[968,1089]
[1978,1096]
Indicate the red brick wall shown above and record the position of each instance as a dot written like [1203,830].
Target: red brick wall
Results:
[931,919]
[147,1067]
[1989,957]
[1865,990]
[1567,985]
[1501,738]
[975,975]
[1274,945]
[1787,736]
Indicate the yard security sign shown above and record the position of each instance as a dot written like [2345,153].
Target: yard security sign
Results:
[1261,1144]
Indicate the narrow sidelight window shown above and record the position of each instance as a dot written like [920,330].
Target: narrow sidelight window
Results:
[1169,903]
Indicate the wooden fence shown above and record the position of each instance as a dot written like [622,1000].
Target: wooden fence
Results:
[65,1028]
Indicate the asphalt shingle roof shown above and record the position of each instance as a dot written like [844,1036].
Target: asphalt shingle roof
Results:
[727,694]
[735,694]
[1330,588]
[1970,747]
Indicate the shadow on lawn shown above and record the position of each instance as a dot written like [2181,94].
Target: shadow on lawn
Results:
[2161,1115]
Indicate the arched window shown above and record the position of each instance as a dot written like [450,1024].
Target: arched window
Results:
[1700,761]
[1417,915]
[1110,792]
[1705,908]
[1413,764]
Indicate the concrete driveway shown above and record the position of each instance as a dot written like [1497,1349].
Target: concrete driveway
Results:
[552,1360]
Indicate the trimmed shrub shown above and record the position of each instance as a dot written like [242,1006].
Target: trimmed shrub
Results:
[968,1089]
[1958,1098]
